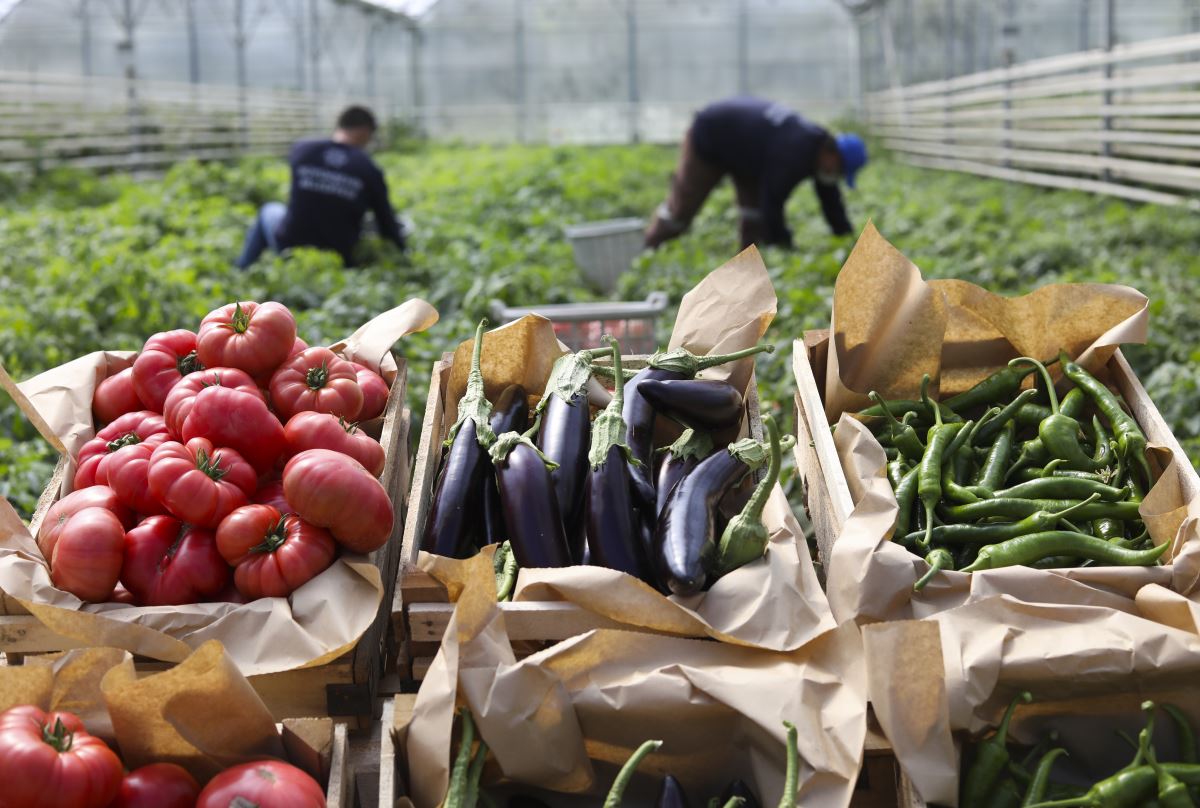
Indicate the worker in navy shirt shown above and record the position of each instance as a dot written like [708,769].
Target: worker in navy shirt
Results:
[768,150]
[334,182]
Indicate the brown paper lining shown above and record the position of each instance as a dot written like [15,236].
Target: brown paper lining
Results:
[566,718]
[265,636]
[965,333]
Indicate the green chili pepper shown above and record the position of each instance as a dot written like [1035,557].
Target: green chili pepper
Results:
[991,758]
[1004,795]
[1183,728]
[992,428]
[900,407]
[1131,441]
[1001,385]
[613,799]
[1009,508]
[901,435]
[1172,793]
[791,778]
[906,495]
[1034,452]
[1063,488]
[959,440]
[456,796]
[1041,777]
[951,490]
[991,473]
[1108,529]
[896,470]
[1102,441]
[1059,433]
[475,775]
[1037,522]
[1051,469]
[504,565]
[1035,546]
[1030,414]
[929,478]
[938,560]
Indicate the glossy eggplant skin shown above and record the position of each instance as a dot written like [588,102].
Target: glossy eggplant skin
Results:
[564,437]
[455,523]
[672,470]
[510,413]
[739,789]
[701,404]
[530,508]
[613,532]
[671,794]
[686,541]
[639,420]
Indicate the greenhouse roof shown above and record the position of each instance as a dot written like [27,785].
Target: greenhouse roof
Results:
[413,8]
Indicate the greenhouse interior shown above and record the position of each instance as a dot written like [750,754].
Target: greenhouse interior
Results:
[599,402]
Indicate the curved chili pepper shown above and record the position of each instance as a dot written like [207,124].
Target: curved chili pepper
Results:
[901,435]
[1001,385]
[1037,522]
[531,516]
[639,415]
[685,542]
[1059,433]
[938,560]
[1036,791]
[695,403]
[615,794]
[680,460]
[614,532]
[671,794]
[991,473]
[902,406]
[739,790]
[745,537]
[989,430]
[510,413]
[791,776]
[929,478]
[1034,452]
[1020,508]
[1030,548]
[456,796]
[991,759]
[1131,441]
[1172,793]
[1063,488]
[454,522]
[906,495]
[951,490]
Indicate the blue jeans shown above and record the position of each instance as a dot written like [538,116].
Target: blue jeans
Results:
[262,233]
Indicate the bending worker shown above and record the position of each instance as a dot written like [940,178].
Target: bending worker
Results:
[768,150]
[334,183]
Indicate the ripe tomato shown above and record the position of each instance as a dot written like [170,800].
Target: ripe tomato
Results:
[165,359]
[317,380]
[198,483]
[249,336]
[95,496]
[115,396]
[168,563]
[320,430]
[183,395]
[265,784]
[86,558]
[159,785]
[271,493]
[240,421]
[273,555]
[375,392]
[298,345]
[130,428]
[48,760]
[127,471]
[333,490]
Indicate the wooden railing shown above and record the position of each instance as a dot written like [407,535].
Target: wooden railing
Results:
[1123,122]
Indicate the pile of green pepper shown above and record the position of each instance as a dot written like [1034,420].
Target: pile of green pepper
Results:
[996,774]
[999,476]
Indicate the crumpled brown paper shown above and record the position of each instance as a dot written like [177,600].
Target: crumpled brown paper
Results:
[565,719]
[1088,668]
[264,636]
[898,327]
[201,714]
[773,603]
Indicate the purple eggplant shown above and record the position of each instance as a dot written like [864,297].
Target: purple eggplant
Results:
[745,537]
[510,413]
[671,794]
[455,524]
[565,436]
[531,516]
[701,404]
[686,541]
[681,457]
[676,364]
[613,528]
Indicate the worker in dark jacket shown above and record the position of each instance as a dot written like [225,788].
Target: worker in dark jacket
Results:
[334,183]
[768,150]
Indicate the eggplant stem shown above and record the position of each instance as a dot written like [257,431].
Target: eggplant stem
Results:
[570,375]
[609,428]
[474,403]
[745,537]
[681,360]
[613,799]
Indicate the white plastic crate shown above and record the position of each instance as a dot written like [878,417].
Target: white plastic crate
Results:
[604,250]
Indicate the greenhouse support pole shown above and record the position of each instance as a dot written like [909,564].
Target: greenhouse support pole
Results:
[369,55]
[632,60]
[519,67]
[189,10]
[128,23]
[239,44]
[1110,39]
[1085,24]
[949,54]
[85,36]
[314,59]
[1009,31]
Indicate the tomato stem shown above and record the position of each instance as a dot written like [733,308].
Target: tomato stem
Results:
[188,364]
[60,738]
[316,377]
[241,320]
[128,439]
[210,465]
[350,428]
[274,539]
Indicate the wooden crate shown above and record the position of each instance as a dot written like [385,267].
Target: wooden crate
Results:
[347,686]
[421,609]
[827,494]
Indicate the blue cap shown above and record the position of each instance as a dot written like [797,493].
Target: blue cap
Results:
[854,155]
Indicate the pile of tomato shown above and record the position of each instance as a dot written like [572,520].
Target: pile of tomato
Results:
[49,759]
[230,467]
